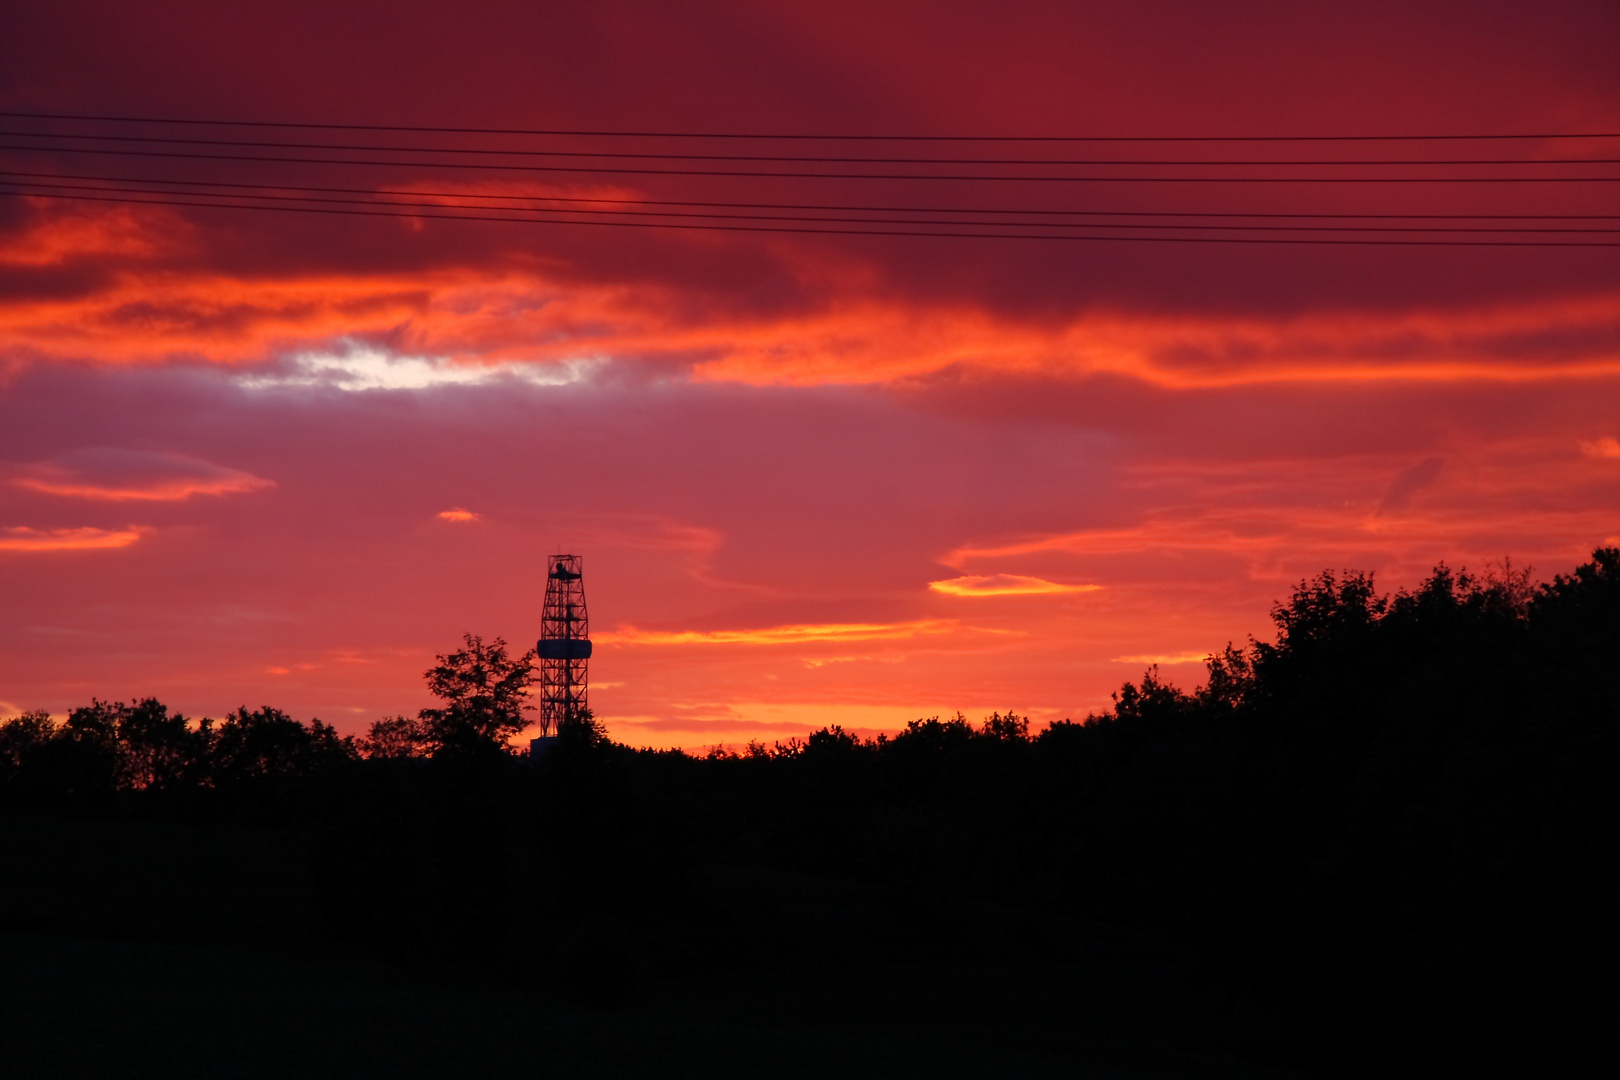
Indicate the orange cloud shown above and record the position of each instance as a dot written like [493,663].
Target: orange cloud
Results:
[780,635]
[25,539]
[1004,585]
[92,233]
[1606,447]
[457,514]
[507,314]
[867,343]
[166,491]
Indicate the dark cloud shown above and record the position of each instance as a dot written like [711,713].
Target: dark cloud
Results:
[964,67]
[1409,482]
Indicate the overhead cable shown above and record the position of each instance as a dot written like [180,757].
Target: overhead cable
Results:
[824,137]
[714,215]
[799,159]
[830,207]
[787,175]
[535,220]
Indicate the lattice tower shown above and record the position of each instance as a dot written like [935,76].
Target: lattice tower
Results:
[565,644]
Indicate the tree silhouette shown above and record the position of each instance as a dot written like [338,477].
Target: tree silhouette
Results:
[395,737]
[485,693]
[154,749]
[267,744]
[21,736]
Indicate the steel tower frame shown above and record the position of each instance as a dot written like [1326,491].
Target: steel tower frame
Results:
[564,647]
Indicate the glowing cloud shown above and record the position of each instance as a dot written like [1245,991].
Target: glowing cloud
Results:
[780,635]
[24,539]
[1163,658]
[1606,447]
[464,326]
[456,513]
[59,237]
[111,475]
[1004,585]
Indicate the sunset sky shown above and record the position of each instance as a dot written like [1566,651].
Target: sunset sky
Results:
[281,457]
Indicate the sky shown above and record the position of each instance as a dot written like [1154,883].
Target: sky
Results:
[256,457]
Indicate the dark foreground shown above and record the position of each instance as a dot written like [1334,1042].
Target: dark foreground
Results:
[1378,844]
[201,965]
[85,1007]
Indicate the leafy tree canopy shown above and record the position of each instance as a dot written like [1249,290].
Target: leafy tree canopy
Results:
[485,692]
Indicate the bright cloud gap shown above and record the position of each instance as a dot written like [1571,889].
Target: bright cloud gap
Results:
[359,368]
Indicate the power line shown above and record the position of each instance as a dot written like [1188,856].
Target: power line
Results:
[798,159]
[1291,241]
[604,133]
[1494,230]
[785,175]
[843,208]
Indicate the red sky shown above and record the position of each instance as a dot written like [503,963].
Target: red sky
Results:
[254,457]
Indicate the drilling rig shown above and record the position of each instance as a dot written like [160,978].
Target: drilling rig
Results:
[564,648]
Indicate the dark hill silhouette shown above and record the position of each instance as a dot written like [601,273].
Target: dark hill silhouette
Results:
[1392,822]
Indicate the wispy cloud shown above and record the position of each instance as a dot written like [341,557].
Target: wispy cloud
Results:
[456,513]
[1606,447]
[823,661]
[108,474]
[25,539]
[1409,482]
[1004,585]
[1270,538]
[1163,658]
[780,635]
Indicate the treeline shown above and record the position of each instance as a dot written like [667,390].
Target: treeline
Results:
[140,757]
[111,756]
[1394,819]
